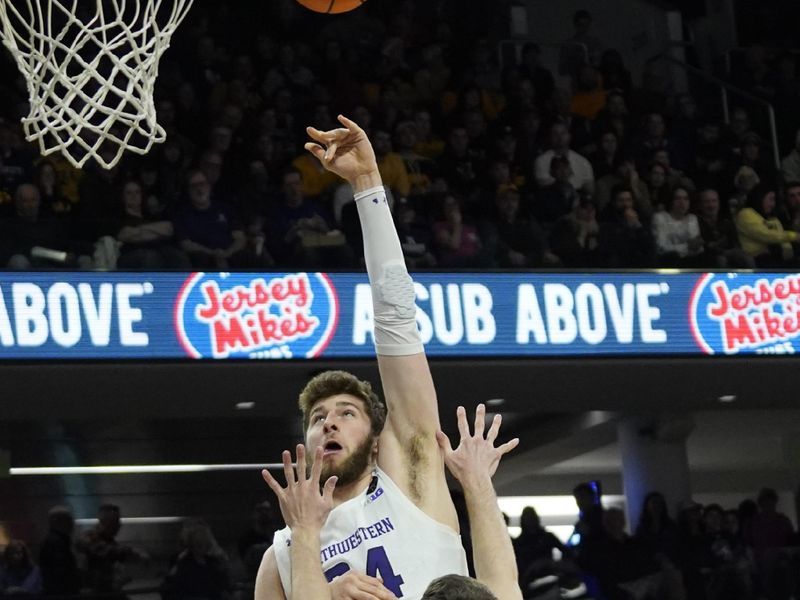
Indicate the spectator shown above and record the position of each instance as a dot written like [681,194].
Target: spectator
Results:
[675,177]
[300,233]
[658,187]
[534,547]
[513,239]
[790,216]
[52,199]
[607,158]
[760,232]
[743,183]
[103,554]
[738,128]
[201,570]
[627,175]
[624,241]
[589,528]
[60,574]
[720,241]
[769,528]
[316,179]
[458,164]
[728,560]
[29,232]
[541,77]
[415,237]
[677,233]
[419,168]
[208,231]
[430,145]
[790,165]
[258,536]
[97,213]
[18,574]
[615,117]
[620,563]
[146,243]
[614,73]
[590,96]
[574,238]
[15,161]
[583,47]
[582,175]
[560,197]
[457,243]
[711,157]
[657,532]
[751,157]
[653,139]
[391,166]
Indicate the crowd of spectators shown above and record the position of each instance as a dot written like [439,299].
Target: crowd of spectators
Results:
[93,563]
[490,163]
[751,552]
[705,553]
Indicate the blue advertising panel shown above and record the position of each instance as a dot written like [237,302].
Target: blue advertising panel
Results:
[329,315]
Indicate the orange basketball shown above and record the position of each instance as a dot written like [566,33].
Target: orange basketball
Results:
[331,6]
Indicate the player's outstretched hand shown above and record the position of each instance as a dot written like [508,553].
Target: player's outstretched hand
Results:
[302,504]
[476,457]
[345,151]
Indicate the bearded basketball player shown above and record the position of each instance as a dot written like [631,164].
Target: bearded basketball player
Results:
[393,528]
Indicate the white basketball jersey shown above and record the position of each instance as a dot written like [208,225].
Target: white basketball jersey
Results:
[383,534]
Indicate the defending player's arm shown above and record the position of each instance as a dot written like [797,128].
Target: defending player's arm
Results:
[473,463]
[305,511]
[408,444]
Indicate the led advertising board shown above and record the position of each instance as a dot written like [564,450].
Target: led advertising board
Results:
[140,316]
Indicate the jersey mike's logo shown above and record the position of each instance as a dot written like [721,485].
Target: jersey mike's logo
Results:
[245,315]
[759,313]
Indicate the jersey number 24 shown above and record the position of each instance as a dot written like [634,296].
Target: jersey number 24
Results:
[378,565]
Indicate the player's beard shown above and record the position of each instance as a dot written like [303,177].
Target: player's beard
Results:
[352,467]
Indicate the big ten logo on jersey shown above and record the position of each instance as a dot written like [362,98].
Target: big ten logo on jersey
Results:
[375,495]
[243,315]
[734,313]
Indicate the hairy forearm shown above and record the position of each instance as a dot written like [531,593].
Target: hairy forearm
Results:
[495,563]
[308,581]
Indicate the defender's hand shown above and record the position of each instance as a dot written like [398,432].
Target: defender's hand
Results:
[302,504]
[476,458]
[357,586]
[345,151]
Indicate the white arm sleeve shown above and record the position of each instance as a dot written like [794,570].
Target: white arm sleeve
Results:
[392,288]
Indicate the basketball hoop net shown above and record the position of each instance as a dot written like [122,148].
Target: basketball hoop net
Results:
[91,67]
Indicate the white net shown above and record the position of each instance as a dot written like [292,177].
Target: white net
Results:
[91,67]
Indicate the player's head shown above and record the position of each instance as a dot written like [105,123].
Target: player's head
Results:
[457,587]
[342,414]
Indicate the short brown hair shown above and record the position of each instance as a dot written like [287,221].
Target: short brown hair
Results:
[332,383]
[457,586]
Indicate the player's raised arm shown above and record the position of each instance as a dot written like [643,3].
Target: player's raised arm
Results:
[408,445]
[305,509]
[473,463]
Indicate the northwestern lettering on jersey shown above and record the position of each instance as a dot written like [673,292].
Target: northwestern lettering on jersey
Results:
[359,536]
[240,315]
[733,313]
